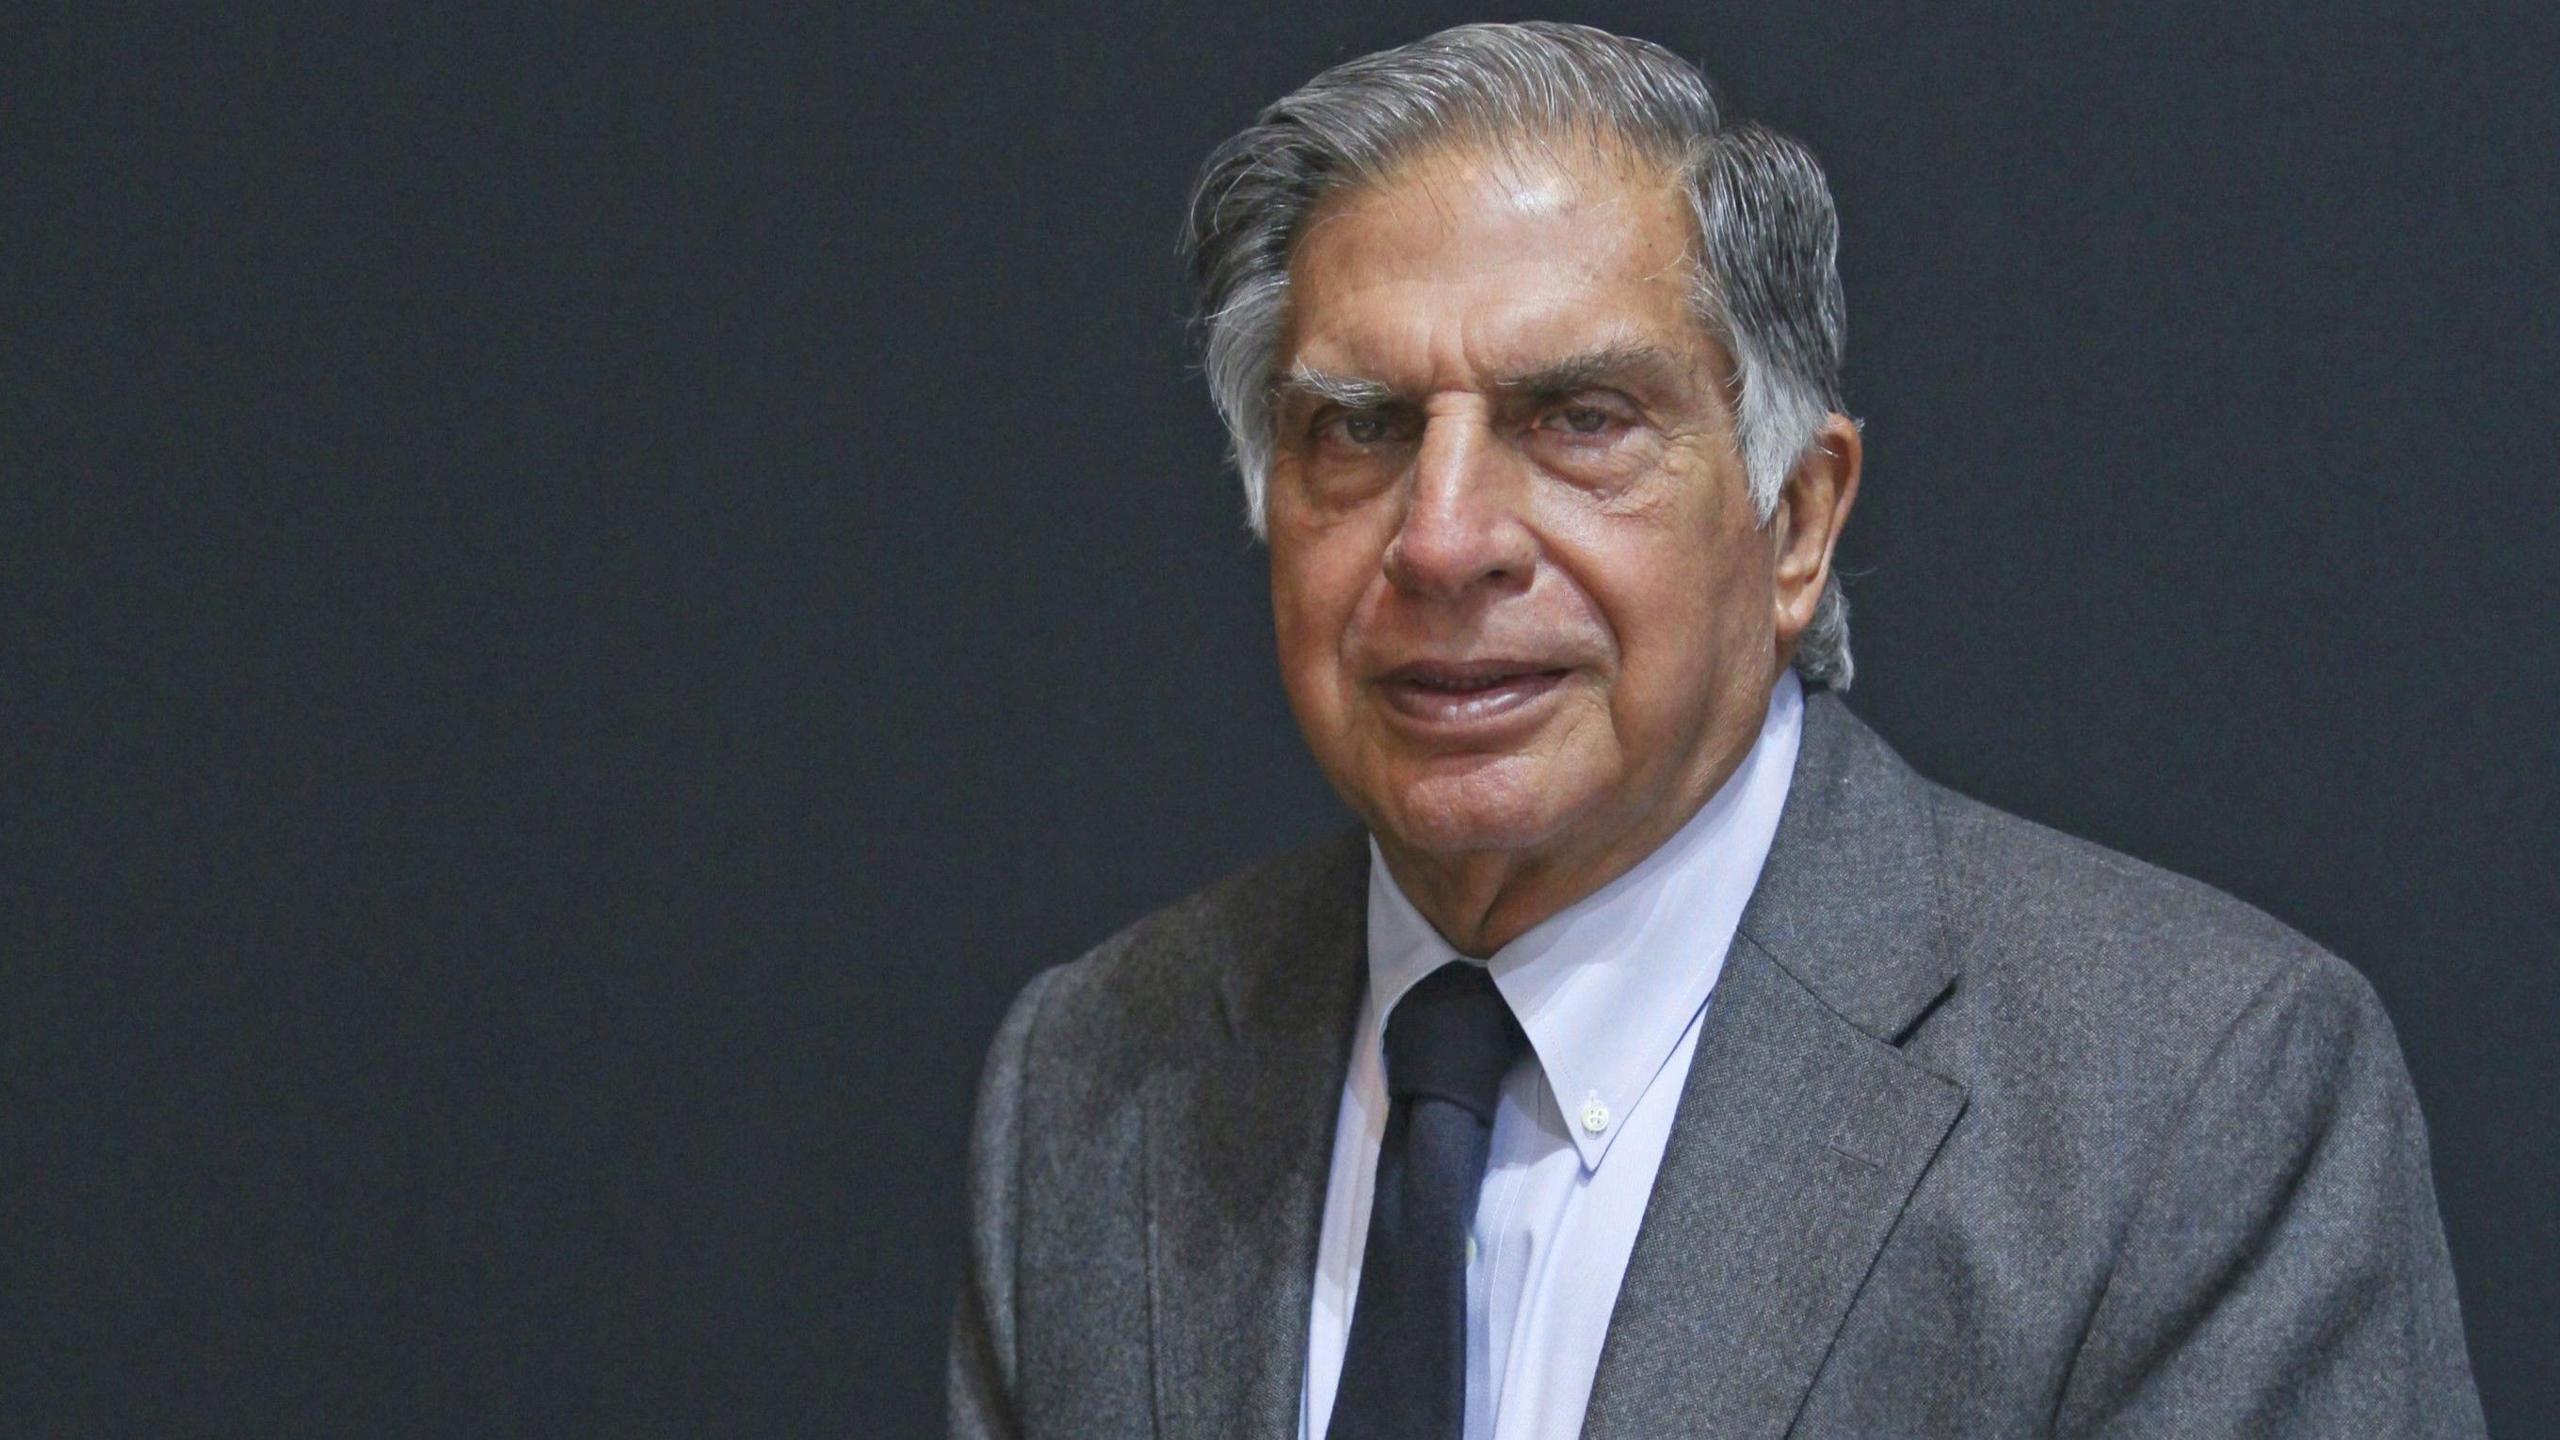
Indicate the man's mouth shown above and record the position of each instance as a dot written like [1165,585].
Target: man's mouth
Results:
[1467,694]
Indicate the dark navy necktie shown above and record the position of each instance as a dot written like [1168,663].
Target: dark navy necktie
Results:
[1404,1370]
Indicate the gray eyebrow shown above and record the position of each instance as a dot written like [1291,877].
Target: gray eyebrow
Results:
[1551,377]
[1575,372]
[1342,390]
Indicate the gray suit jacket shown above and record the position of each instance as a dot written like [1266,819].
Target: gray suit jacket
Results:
[1990,1132]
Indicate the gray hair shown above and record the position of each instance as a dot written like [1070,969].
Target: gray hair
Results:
[1768,282]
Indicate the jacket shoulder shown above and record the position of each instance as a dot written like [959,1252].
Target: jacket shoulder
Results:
[2072,939]
[1147,989]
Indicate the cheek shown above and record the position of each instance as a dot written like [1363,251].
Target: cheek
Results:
[1315,591]
[1701,615]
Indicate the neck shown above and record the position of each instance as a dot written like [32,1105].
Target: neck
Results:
[1484,901]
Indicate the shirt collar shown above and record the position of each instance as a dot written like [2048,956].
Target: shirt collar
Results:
[1606,987]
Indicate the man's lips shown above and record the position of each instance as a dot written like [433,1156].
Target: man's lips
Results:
[1465,695]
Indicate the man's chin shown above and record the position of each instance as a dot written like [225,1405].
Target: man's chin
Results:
[1450,816]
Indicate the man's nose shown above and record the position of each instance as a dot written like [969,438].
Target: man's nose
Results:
[1462,525]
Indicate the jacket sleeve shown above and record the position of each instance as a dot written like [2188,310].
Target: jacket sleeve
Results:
[2285,1272]
[983,1379]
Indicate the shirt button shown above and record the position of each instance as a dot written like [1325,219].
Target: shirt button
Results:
[1595,1116]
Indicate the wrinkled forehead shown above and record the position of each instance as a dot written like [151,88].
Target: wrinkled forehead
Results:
[1473,258]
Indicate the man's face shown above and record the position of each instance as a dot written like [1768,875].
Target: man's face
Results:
[1522,605]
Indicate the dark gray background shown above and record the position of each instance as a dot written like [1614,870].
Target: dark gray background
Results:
[588,595]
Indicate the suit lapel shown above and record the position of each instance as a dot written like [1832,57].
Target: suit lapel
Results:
[1238,1147]
[1802,1129]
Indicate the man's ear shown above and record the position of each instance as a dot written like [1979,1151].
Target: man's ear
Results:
[1812,510]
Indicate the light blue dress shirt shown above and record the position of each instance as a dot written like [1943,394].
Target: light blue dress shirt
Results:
[1610,991]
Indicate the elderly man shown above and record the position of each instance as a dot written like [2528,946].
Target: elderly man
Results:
[1666,1058]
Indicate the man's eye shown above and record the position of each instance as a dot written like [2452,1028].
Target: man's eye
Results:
[1582,419]
[1363,427]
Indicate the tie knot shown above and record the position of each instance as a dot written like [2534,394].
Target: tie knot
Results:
[1453,1038]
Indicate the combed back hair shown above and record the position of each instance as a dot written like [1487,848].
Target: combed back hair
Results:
[1768,278]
